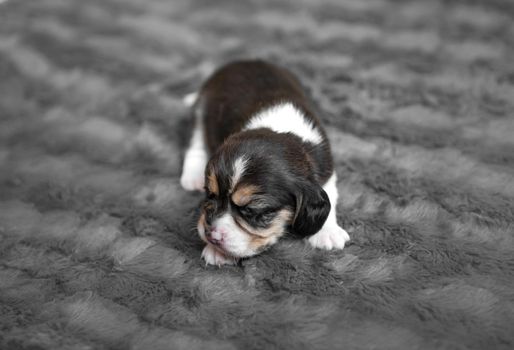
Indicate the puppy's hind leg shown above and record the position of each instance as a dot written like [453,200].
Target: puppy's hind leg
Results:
[331,235]
[195,159]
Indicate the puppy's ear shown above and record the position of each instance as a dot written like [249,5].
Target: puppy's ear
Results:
[312,208]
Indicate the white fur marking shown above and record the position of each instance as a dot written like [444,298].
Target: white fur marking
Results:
[190,99]
[331,235]
[235,241]
[212,256]
[239,169]
[285,118]
[195,159]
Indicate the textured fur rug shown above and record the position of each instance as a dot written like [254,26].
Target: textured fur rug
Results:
[97,241]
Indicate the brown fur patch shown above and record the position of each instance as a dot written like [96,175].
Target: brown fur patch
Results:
[255,241]
[201,222]
[212,183]
[243,194]
[258,242]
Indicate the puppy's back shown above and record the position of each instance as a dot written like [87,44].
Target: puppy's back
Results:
[239,90]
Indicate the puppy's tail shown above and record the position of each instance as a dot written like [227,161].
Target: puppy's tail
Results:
[190,99]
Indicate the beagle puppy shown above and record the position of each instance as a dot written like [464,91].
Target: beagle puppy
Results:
[262,157]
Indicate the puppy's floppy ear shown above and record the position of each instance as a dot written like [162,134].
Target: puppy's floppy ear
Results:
[312,208]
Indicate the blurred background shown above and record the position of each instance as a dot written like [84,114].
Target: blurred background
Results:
[97,241]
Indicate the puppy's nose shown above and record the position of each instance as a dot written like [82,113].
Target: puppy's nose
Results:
[214,235]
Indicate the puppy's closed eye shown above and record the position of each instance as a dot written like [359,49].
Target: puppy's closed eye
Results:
[258,215]
[247,210]
[254,210]
[256,204]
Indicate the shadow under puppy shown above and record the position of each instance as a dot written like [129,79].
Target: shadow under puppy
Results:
[264,161]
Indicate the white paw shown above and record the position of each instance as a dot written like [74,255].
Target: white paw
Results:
[212,256]
[190,99]
[190,183]
[329,237]
[193,177]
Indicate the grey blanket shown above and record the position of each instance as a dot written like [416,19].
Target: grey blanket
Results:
[98,248]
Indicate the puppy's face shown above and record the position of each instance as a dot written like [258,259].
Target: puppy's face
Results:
[253,199]
[242,216]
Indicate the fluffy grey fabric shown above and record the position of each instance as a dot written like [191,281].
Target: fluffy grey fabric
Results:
[98,249]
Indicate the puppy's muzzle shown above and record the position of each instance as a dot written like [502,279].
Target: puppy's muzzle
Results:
[214,235]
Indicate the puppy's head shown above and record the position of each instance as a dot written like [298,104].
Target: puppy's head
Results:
[256,191]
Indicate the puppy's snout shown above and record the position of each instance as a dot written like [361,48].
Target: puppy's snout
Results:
[215,235]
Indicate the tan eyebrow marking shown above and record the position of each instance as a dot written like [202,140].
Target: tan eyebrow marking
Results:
[212,183]
[243,194]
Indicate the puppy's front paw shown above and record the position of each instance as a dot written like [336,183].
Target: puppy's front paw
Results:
[212,256]
[331,237]
[193,178]
[190,183]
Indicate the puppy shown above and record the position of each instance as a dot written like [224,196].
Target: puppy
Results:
[262,157]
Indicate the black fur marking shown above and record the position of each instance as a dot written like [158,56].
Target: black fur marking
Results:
[312,208]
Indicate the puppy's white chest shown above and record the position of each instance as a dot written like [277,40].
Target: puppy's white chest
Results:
[285,118]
